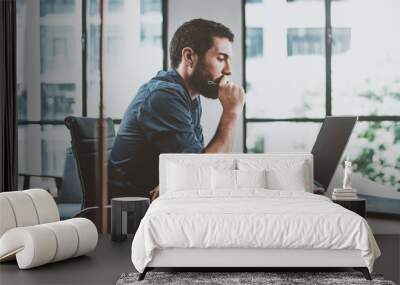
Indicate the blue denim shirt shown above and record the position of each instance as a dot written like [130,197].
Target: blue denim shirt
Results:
[161,118]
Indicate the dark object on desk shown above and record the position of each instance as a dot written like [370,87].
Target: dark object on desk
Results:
[355,205]
[84,141]
[329,146]
[126,214]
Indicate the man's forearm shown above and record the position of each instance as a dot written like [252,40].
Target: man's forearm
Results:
[223,138]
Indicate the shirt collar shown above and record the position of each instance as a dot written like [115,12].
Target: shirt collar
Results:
[178,78]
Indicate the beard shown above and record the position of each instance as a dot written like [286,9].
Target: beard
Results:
[200,78]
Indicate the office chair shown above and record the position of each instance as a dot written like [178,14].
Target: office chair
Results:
[84,141]
[69,199]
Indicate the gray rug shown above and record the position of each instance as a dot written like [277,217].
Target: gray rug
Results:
[228,278]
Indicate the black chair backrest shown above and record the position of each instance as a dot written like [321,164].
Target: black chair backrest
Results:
[71,190]
[84,141]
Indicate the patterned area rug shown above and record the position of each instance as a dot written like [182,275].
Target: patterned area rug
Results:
[229,278]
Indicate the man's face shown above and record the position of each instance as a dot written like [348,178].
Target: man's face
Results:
[215,63]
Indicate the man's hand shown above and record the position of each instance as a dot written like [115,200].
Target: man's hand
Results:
[231,96]
[154,193]
[232,99]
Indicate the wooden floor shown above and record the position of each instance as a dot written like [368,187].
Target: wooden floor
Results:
[103,266]
[110,260]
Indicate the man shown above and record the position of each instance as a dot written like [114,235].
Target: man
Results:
[164,116]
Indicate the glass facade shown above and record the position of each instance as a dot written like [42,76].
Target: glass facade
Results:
[366,78]
[311,41]
[365,81]
[134,30]
[278,84]
[50,71]
[57,101]
[254,42]
[281,136]
[56,7]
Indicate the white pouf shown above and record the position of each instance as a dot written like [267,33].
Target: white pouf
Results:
[31,230]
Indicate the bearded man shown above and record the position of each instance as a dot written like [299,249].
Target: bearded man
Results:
[164,116]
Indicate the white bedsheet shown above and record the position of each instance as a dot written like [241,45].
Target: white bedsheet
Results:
[250,218]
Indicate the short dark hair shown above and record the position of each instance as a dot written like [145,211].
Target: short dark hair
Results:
[197,34]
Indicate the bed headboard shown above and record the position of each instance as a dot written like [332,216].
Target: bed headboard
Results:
[232,160]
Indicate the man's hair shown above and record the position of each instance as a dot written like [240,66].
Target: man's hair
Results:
[197,34]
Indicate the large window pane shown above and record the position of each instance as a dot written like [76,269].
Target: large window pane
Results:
[56,7]
[54,142]
[49,84]
[41,149]
[60,59]
[41,152]
[375,152]
[285,64]
[366,76]
[58,100]
[133,52]
[281,136]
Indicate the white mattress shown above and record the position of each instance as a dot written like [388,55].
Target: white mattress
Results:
[252,218]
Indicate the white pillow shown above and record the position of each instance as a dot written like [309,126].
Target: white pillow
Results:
[251,178]
[290,178]
[223,179]
[183,177]
[282,174]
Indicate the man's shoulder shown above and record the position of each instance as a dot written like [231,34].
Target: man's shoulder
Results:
[165,89]
[166,93]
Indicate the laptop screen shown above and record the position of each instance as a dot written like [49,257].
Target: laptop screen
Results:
[329,146]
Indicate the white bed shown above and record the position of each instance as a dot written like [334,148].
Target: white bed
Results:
[200,223]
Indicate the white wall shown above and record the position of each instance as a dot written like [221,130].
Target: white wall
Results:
[229,13]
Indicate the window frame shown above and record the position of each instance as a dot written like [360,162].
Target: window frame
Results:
[328,81]
[84,52]
[328,91]
[84,39]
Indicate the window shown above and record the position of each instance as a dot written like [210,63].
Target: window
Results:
[254,42]
[274,137]
[127,35]
[150,6]
[115,6]
[305,41]
[366,79]
[290,89]
[56,7]
[58,73]
[283,86]
[49,82]
[311,41]
[57,101]
[150,34]
[366,82]
[57,48]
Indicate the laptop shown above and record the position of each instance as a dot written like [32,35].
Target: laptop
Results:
[328,149]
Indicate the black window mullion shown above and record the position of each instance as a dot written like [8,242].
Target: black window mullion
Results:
[165,33]
[328,58]
[244,72]
[84,57]
[295,120]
